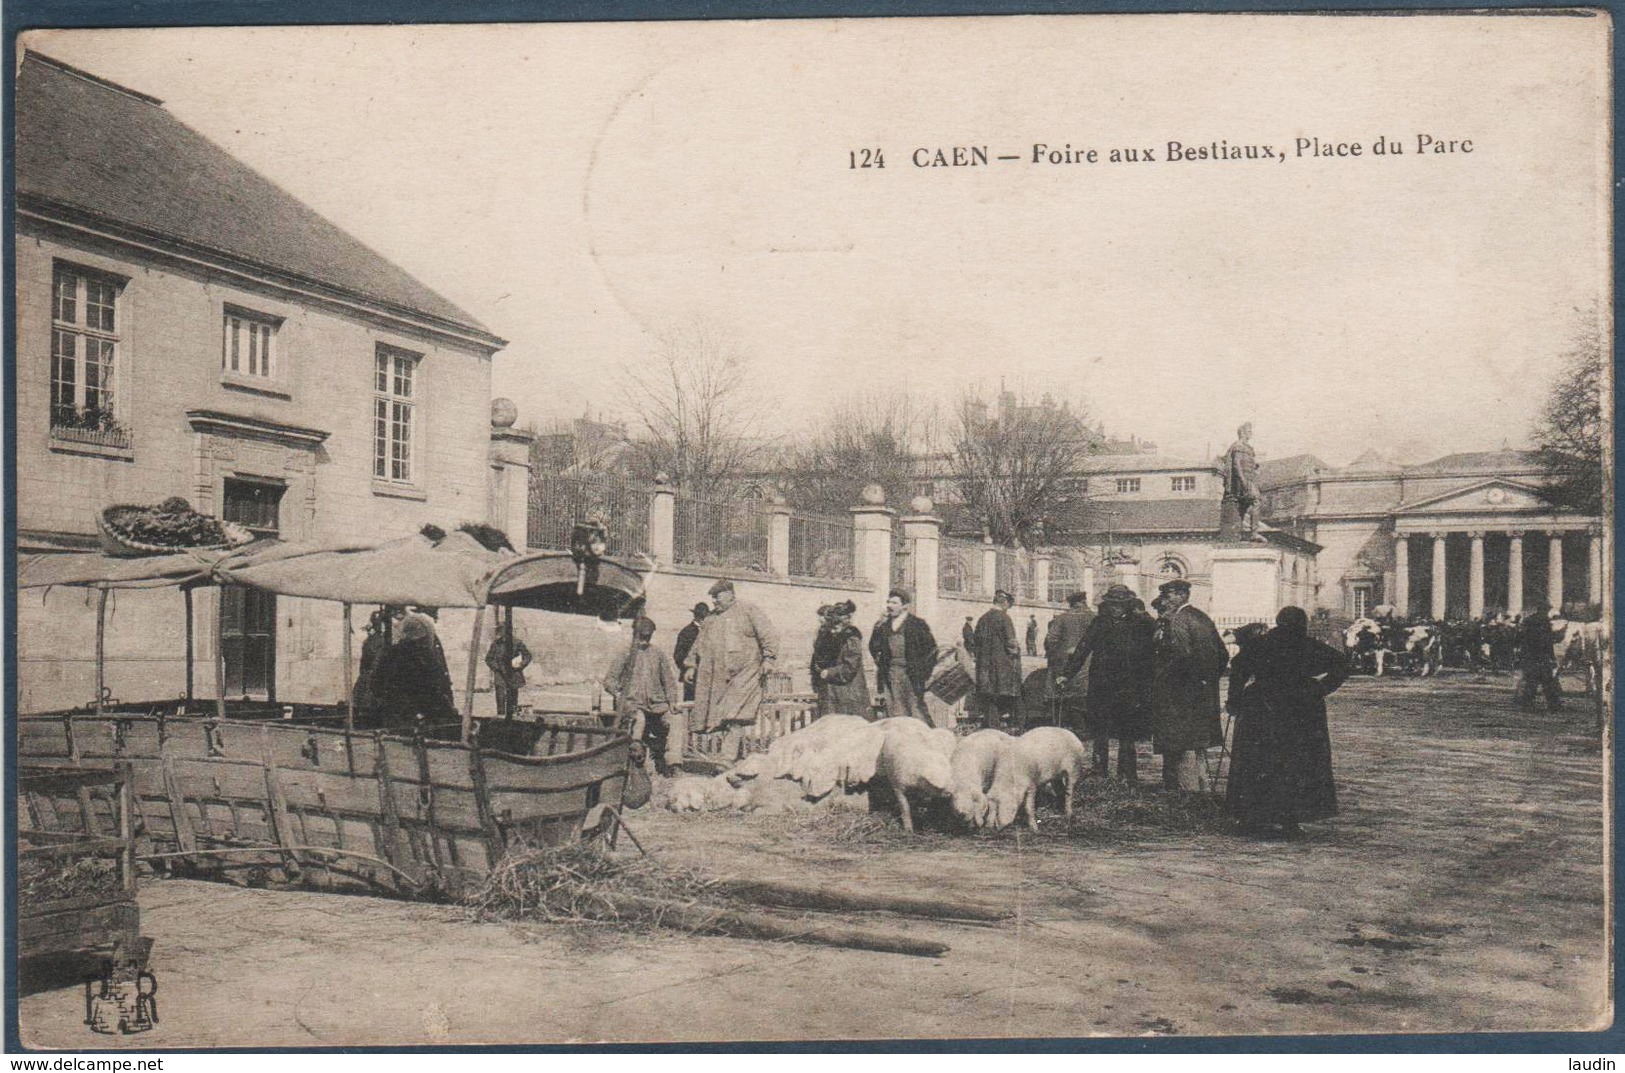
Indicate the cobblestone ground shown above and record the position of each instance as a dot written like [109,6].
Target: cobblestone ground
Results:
[1461,889]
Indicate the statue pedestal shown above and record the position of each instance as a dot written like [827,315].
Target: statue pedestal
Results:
[1246,583]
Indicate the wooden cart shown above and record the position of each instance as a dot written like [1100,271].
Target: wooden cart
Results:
[60,916]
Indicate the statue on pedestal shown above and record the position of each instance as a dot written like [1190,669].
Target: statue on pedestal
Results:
[1240,488]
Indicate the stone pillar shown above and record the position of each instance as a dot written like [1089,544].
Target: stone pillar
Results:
[1475,583]
[1041,572]
[871,539]
[1089,584]
[663,522]
[1515,573]
[1439,575]
[923,531]
[1594,568]
[508,503]
[778,537]
[990,567]
[1554,571]
[1401,596]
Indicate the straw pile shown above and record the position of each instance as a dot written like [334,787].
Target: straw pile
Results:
[49,880]
[580,883]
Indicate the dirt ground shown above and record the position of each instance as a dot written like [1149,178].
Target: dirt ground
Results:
[1461,889]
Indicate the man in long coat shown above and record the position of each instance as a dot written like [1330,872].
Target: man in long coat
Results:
[1065,633]
[998,661]
[1189,659]
[736,650]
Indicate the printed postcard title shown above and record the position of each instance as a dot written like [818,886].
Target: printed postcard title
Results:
[1221,151]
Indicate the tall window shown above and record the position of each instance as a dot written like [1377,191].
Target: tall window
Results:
[246,344]
[394,414]
[1360,598]
[84,351]
[1184,484]
[1128,484]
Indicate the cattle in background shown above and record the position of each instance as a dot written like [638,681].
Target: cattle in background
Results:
[1586,647]
[1363,641]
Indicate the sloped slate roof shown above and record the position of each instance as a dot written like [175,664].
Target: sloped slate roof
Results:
[89,145]
[1276,471]
[1139,463]
[1479,462]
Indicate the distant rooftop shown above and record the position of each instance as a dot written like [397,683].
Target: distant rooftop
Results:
[91,146]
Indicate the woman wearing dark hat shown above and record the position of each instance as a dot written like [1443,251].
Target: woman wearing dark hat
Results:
[1117,647]
[1281,750]
[837,664]
[905,654]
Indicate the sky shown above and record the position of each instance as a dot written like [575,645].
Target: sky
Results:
[584,189]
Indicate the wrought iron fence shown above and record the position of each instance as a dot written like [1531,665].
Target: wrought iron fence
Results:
[557,503]
[959,567]
[733,535]
[1014,573]
[821,547]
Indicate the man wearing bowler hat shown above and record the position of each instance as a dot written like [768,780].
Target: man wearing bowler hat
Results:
[1188,659]
[685,644]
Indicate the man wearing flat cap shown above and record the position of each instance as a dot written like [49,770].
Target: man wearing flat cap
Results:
[644,683]
[998,662]
[1188,658]
[735,653]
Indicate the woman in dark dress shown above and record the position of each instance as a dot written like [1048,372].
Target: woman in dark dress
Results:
[1117,646]
[1281,751]
[837,664]
[410,682]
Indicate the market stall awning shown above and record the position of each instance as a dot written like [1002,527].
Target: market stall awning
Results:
[95,570]
[552,581]
[453,571]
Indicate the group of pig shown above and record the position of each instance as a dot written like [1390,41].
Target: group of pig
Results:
[990,778]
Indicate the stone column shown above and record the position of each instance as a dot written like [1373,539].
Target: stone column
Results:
[1475,583]
[1554,571]
[663,522]
[1515,573]
[778,537]
[990,567]
[1089,584]
[1041,572]
[923,531]
[1401,596]
[509,456]
[1439,575]
[871,539]
[1594,568]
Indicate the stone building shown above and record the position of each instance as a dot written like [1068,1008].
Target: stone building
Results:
[1147,518]
[1451,538]
[187,328]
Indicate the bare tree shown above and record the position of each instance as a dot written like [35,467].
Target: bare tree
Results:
[1570,432]
[1018,463]
[694,413]
[863,439]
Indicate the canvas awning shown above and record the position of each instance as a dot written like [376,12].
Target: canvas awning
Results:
[95,570]
[454,571]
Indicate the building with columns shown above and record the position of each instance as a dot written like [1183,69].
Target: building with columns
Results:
[1451,538]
